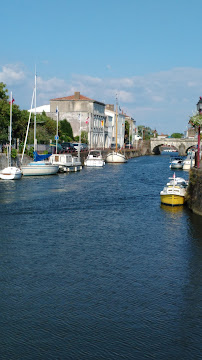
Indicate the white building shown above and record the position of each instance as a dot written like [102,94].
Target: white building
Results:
[111,120]
[85,114]
[40,109]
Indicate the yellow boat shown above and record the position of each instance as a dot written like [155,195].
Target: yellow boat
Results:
[173,193]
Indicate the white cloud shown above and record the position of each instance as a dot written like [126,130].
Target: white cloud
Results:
[12,74]
[164,98]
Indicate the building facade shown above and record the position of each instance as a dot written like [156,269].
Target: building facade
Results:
[132,128]
[84,114]
[111,120]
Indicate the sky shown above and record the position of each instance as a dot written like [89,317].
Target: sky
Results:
[147,53]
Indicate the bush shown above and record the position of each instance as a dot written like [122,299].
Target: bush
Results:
[14,153]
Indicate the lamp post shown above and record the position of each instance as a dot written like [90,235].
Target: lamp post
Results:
[199,108]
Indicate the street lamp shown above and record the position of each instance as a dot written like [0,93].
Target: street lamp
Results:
[199,108]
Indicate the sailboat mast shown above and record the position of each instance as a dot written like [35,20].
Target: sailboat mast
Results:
[116,123]
[10,130]
[35,113]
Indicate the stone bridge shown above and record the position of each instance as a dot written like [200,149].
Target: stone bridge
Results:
[181,145]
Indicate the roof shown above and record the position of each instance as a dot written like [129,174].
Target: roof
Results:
[40,109]
[76,97]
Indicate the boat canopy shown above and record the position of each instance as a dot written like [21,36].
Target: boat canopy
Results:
[38,157]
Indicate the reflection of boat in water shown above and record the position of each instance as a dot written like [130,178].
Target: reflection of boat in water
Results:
[167,150]
[173,209]
[189,162]
[176,162]
[94,159]
[66,162]
[174,192]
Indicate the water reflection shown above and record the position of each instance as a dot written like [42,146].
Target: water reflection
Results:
[173,209]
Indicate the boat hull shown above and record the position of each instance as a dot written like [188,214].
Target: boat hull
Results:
[175,165]
[66,162]
[34,169]
[172,200]
[115,157]
[94,163]
[188,165]
[11,173]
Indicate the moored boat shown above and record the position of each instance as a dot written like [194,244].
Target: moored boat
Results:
[65,162]
[94,159]
[39,166]
[189,162]
[115,157]
[176,162]
[174,192]
[10,173]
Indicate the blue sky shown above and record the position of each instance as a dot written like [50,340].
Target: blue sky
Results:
[148,52]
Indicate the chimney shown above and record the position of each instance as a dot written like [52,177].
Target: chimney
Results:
[77,95]
[110,107]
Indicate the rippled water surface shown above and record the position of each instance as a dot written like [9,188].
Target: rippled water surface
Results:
[93,267]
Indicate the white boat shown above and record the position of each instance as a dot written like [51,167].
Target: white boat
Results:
[94,159]
[65,162]
[10,172]
[115,156]
[38,167]
[174,192]
[176,162]
[189,162]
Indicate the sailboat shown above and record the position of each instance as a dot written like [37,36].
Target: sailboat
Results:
[115,156]
[10,172]
[38,166]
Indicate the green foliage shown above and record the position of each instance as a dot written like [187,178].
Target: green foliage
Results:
[65,138]
[84,137]
[14,153]
[196,120]
[30,152]
[3,92]
[127,128]
[66,129]
[145,132]
[177,135]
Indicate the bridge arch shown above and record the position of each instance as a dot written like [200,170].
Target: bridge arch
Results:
[181,145]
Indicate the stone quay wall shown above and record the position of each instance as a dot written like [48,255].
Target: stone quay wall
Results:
[194,191]
[142,148]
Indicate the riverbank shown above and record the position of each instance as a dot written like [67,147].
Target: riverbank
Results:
[194,191]
[143,148]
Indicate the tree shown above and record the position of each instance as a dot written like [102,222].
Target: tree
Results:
[145,132]
[84,137]
[66,129]
[196,121]
[177,135]
[3,92]
[127,127]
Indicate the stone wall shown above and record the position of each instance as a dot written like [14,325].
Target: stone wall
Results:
[194,191]
[15,162]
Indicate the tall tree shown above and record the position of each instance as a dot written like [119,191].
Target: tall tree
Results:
[66,131]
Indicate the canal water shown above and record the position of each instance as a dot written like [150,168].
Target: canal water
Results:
[93,267]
